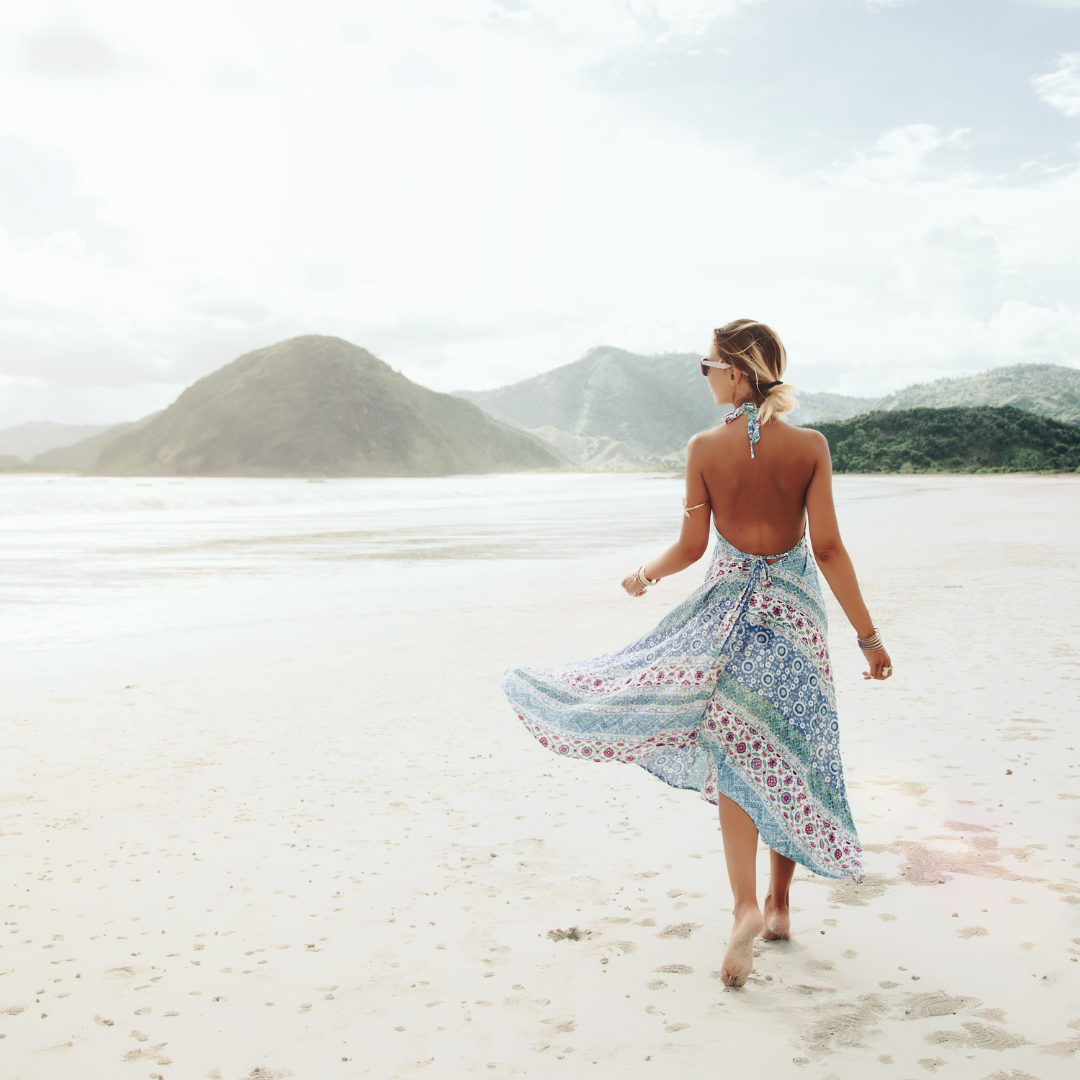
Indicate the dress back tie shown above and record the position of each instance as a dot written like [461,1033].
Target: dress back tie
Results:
[753,426]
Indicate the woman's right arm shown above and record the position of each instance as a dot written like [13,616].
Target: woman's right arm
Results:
[832,557]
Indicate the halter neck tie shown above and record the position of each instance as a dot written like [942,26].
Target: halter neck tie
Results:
[753,427]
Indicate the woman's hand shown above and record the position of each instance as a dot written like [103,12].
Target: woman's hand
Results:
[880,665]
[632,585]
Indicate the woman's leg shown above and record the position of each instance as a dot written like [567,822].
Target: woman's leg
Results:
[740,852]
[777,909]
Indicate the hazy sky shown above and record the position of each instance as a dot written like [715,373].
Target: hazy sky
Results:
[479,190]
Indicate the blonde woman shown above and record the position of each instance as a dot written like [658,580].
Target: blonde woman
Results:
[732,693]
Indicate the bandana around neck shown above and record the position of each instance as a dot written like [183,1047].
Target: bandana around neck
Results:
[753,428]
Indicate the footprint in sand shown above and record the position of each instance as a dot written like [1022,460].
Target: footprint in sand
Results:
[679,930]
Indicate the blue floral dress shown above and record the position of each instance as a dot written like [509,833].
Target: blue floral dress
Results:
[731,693]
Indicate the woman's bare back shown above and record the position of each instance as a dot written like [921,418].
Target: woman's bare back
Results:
[758,503]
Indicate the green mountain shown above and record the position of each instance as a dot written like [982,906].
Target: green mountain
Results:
[819,408]
[81,456]
[651,405]
[1046,389]
[38,436]
[318,406]
[953,439]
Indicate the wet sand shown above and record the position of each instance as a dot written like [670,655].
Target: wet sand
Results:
[324,847]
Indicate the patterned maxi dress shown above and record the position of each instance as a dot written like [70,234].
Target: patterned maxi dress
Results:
[731,693]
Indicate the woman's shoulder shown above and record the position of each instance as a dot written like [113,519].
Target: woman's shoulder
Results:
[810,438]
[708,438]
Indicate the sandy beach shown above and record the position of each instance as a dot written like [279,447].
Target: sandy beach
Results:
[268,819]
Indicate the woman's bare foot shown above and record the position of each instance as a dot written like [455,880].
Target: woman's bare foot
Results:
[777,920]
[739,958]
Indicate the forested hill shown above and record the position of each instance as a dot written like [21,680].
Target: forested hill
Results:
[1047,389]
[958,439]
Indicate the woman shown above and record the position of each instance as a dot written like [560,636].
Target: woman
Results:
[732,694]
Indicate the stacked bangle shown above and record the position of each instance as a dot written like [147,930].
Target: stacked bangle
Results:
[872,643]
[643,579]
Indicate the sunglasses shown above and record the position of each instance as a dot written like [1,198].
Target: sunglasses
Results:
[706,364]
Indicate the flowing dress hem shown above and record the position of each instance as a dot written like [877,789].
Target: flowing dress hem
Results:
[731,693]
[711,781]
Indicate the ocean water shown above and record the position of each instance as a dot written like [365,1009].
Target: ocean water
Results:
[92,558]
[116,562]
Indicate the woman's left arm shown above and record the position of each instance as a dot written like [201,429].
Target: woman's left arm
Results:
[693,537]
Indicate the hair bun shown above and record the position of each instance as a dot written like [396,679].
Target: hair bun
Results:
[756,350]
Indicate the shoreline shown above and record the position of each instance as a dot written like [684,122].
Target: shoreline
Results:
[569,471]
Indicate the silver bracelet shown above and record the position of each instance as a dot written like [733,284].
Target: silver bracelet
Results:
[643,579]
[872,643]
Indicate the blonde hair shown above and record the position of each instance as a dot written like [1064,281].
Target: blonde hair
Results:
[757,351]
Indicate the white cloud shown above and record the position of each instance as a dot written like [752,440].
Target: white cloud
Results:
[227,76]
[24,398]
[687,16]
[72,50]
[904,152]
[1060,88]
